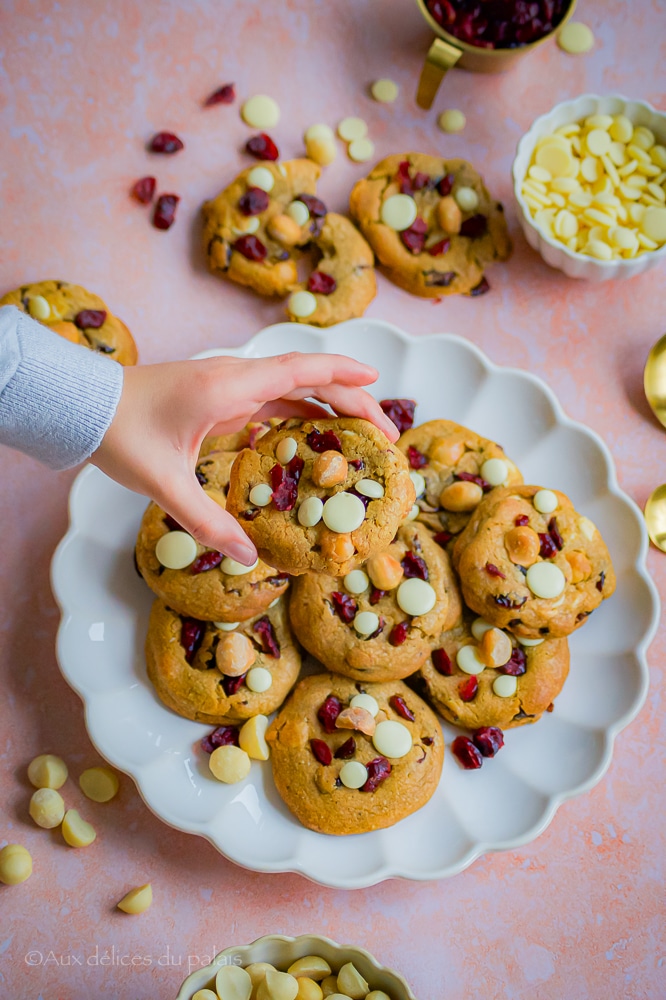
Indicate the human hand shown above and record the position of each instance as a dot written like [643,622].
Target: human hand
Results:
[166,410]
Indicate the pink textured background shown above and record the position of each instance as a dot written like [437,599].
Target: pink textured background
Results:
[577,914]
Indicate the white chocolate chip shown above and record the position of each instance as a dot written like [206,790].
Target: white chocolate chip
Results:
[467,199]
[495,471]
[260,111]
[416,597]
[545,580]
[587,527]
[259,679]
[575,38]
[414,513]
[352,128]
[277,986]
[285,450]
[353,774]
[205,995]
[366,622]
[310,512]
[370,488]
[393,739]
[318,131]
[260,495]
[282,170]
[229,764]
[226,626]
[47,808]
[384,91]
[398,211]
[233,568]
[322,151]
[261,177]
[302,304]
[252,737]
[76,832]
[176,550]
[479,628]
[529,642]
[469,661]
[232,982]
[250,226]
[311,966]
[452,120]
[356,582]
[15,864]
[351,983]
[653,224]
[505,686]
[99,784]
[545,501]
[365,701]
[38,307]
[419,483]
[299,212]
[361,150]
[137,900]
[343,512]
[47,771]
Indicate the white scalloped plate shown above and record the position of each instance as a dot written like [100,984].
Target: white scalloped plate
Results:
[506,803]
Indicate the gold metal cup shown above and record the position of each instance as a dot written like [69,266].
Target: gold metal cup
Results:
[447,51]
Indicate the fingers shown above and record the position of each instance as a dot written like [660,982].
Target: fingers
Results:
[206,521]
[272,378]
[356,403]
[292,408]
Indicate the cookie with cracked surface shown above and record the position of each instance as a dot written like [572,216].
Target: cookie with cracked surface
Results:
[320,495]
[440,233]
[533,675]
[204,673]
[529,562]
[308,755]
[77,315]
[388,644]
[453,462]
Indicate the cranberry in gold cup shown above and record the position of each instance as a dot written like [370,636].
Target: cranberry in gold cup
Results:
[484,36]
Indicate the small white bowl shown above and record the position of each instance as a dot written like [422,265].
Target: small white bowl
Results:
[282,951]
[578,265]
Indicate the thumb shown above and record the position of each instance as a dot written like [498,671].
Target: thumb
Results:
[206,521]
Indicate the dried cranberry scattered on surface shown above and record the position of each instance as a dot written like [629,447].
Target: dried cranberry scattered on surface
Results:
[165,142]
[488,739]
[414,238]
[223,736]
[376,595]
[191,634]
[328,712]
[144,189]
[467,689]
[414,566]
[90,319]
[323,441]
[321,751]
[206,561]
[378,771]
[398,634]
[437,249]
[164,215]
[548,547]
[262,147]
[223,95]
[441,661]
[346,749]
[416,458]
[284,483]
[555,534]
[254,201]
[269,643]
[400,411]
[466,753]
[399,706]
[321,283]
[250,247]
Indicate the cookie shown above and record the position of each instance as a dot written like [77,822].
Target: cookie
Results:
[320,495]
[431,223]
[77,315]
[453,469]
[384,643]
[513,683]
[343,284]
[348,780]
[207,585]
[530,563]
[209,674]
[236,441]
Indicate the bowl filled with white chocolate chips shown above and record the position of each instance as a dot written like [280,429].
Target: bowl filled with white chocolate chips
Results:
[590,184]
[286,968]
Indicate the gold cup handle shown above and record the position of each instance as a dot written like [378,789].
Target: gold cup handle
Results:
[441,57]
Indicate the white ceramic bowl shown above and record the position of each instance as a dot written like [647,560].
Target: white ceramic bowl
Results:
[282,951]
[577,265]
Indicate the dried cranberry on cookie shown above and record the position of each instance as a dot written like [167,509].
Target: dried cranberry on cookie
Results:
[320,495]
[529,562]
[431,223]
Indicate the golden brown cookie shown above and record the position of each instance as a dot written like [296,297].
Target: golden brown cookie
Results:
[77,315]
[300,494]
[450,464]
[514,683]
[310,748]
[206,674]
[456,228]
[530,563]
[244,438]
[388,644]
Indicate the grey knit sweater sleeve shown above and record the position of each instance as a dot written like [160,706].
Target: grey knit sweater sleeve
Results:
[57,399]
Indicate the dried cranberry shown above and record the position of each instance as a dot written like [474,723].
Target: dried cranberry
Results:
[321,283]
[401,708]
[223,736]
[378,630]
[232,684]
[223,95]
[467,689]
[467,477]
[267,637]
[321,751]
[323,441]
[191,634]
[90,319]
[165,142]
[466,753]
[474,226]
[440,279]
[400,411]
[414,566]
[346,749]
[416,458]
[206,561]
[601,581]
[414,238]
[445,185]
[358,464]
[441,661]
[403,178]
[144,189]
[504,601]
[171,523]
[344,606]
[442,538]
[284,482]
[328,712]
[493,570]
[398,633]
[437,249]
[480,289]
[488,739]
[262,147]
[250,247]
[164,215]
[254,201]
[420,180]
[315,206]
[376,595]
[277,580]
[554,533]
[521,520]
[517,663]
[378,771]
[548,548]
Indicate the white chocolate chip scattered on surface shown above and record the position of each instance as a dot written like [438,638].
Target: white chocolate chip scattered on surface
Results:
[310,512]
[176,550]
[260,495]
[260,111]
[47,771]
[15,864]
[366,622]
[301,304]
[252,737]
[467,199]
[545,501]
[545,580]
[385,91]
[38,307]
[479,628]
[343,512]
[418,482]
[361,150]
[370,488]
[261,177]
[469,661]
[285,450]
[392,739]
[47,808]
[137,900]
[416,597]
[353,774]
[100,784]
[505,686]
[575,38]
[352,128]
[259,679]
[318,131]
[356,582]
[452,120]
[299,212]
[398,211]
[365,701]
[76,831]
[322,151]
[234,568]
[232,982]
[229,764]
[495,471]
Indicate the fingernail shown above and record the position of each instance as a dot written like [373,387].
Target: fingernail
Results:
[241,553]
